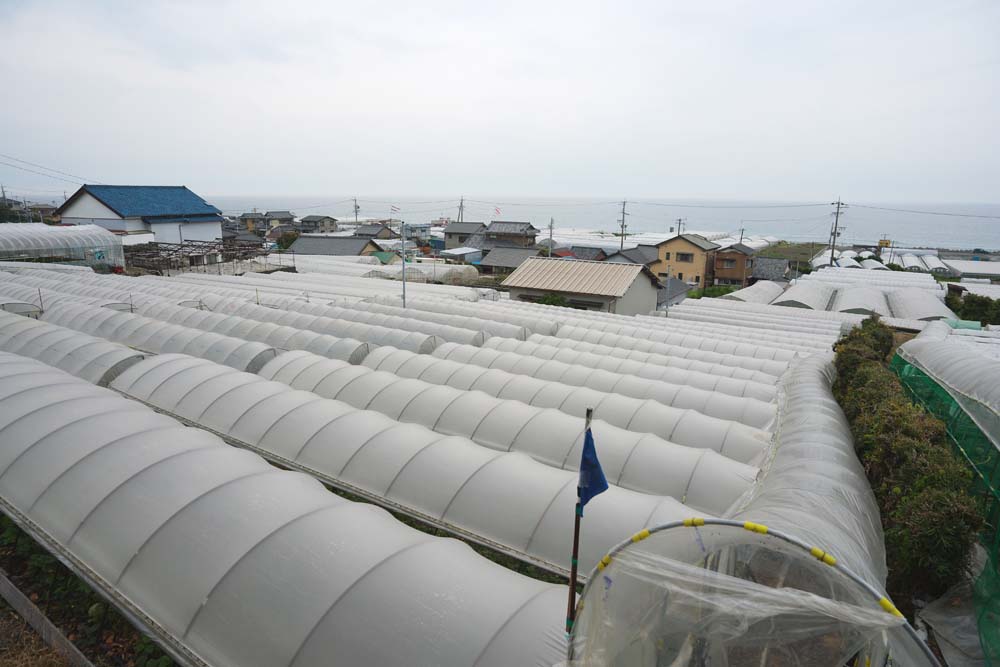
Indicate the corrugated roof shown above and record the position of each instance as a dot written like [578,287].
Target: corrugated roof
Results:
[330,245]
[464,228]
[577,276]
[146,201]
[509,258]
[588,252]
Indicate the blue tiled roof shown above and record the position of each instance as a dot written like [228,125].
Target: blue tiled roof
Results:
[151,201]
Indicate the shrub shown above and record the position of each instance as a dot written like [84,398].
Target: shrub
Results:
[554,300]
[929,518]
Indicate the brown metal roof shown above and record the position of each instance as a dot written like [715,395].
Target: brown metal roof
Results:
[554,274]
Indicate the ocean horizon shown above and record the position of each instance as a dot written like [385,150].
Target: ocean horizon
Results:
[920,225]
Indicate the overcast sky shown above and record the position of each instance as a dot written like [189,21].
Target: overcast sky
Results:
[794,100]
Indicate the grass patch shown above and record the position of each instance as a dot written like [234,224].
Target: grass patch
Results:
[713,291]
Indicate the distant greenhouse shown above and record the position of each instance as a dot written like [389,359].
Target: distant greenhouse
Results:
[86,245]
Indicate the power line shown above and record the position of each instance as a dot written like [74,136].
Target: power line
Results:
[42,166]
[65,180]
[953,215]
[671,205]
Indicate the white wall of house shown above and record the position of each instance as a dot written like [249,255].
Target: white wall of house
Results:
[172,232]
[89,208]
[639,298]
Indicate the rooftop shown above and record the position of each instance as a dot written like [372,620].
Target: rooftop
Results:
[464,227]
[509,258]
[317,218]
[506,227]
[146,201]
[279,215]
[577,276]
[643,254]
[696,240]
[331,245]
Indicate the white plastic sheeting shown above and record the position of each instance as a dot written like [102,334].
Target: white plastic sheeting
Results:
[447,481]
[753,592]
[341,282]
[684,427]
[489,327]
[275,335]
[754,314]
[149,335]
[847,254]
[749,411]
[95,360]
[10,303]
[873,265]
[683,358]
[368,333]
[762,291]
[665,342]
[44,297]
[791,340]
[934,264]
[641,462]
[763,391]
[912,263]
[848,262]
[813,295]
[822,333]
[90,244]
[967,374]
[13,265]
[862,301]
[534,323]
[229,561]
[918,304]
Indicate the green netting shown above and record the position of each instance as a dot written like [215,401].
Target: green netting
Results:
[964,324]
[984,458]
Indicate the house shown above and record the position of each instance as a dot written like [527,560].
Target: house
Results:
[463,254]
[254,222]
[511,234]
[275,218]
[769,268]
[375,231]
[734,265]
[418,232]
[456,234]
[505,260]
[334,245]
[312,224]
[41,210]
[172,213]
[625,289]
[591,253]
[641,254]
[275,232]
[565,253]
[687,257]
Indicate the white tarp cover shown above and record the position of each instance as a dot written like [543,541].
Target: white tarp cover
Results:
[726,595]
[236,562]
[749,411]
[972,378]
[93,359]
[918,304]
[861,300]
[448,481]
[684,427]
[641,462]
[873,265]
[149,335]
[762,291]
[809,294]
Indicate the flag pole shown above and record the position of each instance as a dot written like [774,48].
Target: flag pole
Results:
[571,603]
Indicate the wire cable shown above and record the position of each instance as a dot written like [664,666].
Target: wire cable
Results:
[42,166]
[65,180]
[905,210]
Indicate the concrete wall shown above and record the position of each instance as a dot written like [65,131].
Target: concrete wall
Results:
[639,299]
[167,232]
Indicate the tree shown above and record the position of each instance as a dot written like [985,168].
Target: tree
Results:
[554,300]
[286,239]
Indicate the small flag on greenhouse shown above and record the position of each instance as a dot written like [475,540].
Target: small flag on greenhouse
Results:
[497,209]
[592,481]
[394,209]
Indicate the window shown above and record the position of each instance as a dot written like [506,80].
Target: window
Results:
[697,280]
[680,276]
[666,257]
[685,257]
[729,263]
[663,275]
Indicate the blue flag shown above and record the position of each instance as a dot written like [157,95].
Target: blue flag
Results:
[592,480]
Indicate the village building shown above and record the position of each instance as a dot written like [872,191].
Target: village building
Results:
[734,265]
[625,289]
[687,257]
[457,234]
[171,213]
[317,224]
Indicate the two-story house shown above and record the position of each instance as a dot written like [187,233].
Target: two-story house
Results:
[317,224]
[687,257]
[457,234]
[734,265]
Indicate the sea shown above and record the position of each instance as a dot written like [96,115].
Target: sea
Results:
[962,226]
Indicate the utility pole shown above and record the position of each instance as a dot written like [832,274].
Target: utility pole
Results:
[741,234]
[461,209]
[680,226]
[355,211]
[402,228]
[624,226]
[552,224]
[836,223]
